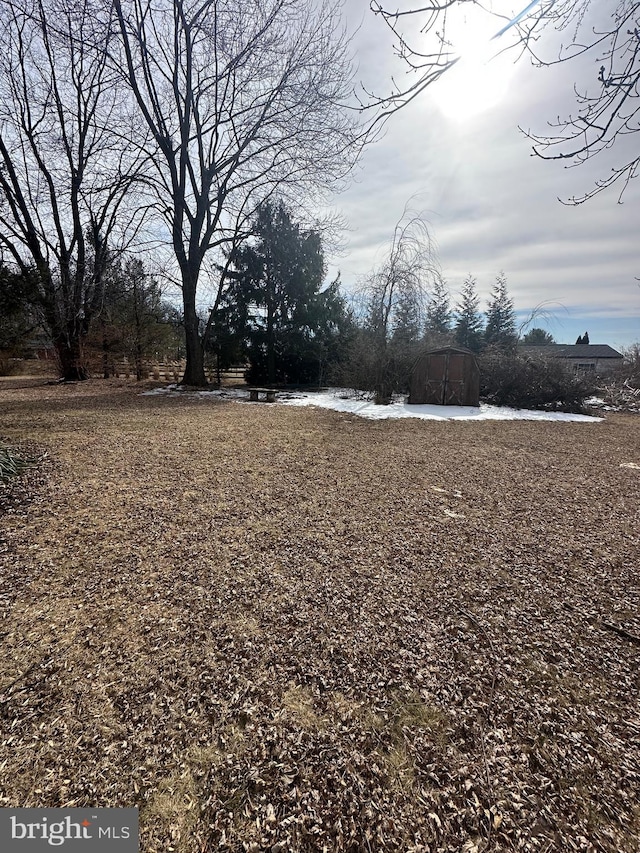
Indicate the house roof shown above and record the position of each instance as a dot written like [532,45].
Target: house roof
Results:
[573,350]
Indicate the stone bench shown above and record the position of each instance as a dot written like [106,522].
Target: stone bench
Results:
[269,394]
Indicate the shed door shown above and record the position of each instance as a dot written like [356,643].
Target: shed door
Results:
[455,379]
[446,379]
[436,379]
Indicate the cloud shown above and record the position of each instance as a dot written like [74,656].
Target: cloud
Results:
[491,205]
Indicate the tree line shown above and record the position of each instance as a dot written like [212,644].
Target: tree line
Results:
[274,312]
[422,316]
[133,321]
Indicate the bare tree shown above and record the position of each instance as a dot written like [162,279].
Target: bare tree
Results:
[242,98]
[63,179]
[608,103]
[395,297]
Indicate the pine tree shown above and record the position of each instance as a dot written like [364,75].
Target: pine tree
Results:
[406,321]
[468,320]
[279,311]
[585,338]
[579,340]
[501,318]
[334,331]
[538,337]
[439,309]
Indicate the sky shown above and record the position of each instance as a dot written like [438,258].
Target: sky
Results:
[456,155]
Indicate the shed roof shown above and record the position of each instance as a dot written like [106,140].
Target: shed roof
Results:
[573,350]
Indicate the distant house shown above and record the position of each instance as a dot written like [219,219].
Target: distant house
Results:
[587,358]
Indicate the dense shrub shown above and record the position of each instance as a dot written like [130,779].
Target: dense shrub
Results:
[628,373]
[375,366]
[510,378]
[620,390]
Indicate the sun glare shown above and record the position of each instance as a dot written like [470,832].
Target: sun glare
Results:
[480,78]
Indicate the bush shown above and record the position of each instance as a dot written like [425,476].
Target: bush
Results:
[381,368]
[628,373]
[620,390]
[509,378]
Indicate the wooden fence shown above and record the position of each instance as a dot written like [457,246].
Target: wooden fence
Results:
[172,371]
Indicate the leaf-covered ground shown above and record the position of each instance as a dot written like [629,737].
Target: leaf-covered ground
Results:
[278,629]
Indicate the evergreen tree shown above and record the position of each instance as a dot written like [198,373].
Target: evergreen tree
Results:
[468,320]
[335,330]
[225,340]
[281,318]
[501,318]
[406,324]
[439,309]
[538,337]
[579,340]
[585,338]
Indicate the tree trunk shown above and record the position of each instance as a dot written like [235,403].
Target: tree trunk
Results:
[71,359]
[271,344]
[218,368]
[106,372]
[140,375]
[138,327]
[194,371]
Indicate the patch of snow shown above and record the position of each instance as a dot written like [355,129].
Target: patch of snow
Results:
[399,409]
[342,400]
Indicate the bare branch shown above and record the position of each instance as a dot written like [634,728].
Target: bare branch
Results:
[608,103]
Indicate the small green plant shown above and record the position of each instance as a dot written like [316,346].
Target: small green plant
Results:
[11,464]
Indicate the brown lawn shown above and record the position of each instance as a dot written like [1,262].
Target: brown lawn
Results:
[278,629]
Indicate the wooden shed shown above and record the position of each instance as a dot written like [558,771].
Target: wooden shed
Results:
[448,376]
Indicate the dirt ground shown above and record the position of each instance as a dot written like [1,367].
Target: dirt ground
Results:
[282,629]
